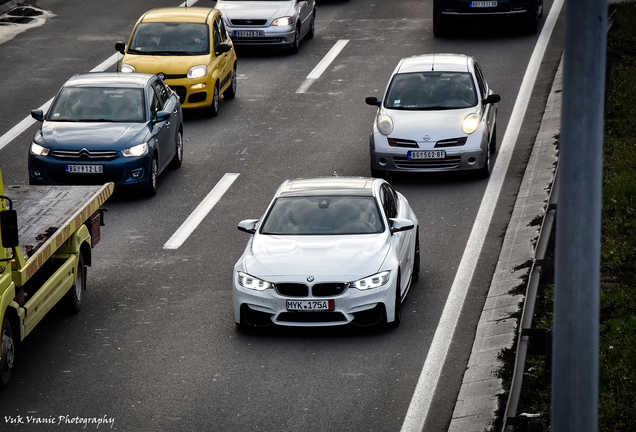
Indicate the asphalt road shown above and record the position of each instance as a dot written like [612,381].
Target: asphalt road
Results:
[155,346]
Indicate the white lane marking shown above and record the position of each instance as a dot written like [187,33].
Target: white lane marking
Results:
[429,378]
[323,65]
[199,213]
[26,123]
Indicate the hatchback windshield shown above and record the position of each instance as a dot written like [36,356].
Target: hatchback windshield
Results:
[431,90]
[323,215]
[170,38]
[90,104]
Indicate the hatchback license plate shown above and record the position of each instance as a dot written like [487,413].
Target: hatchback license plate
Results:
[249,33]
[481,4]
[85,169]
[427,154]
[310,305]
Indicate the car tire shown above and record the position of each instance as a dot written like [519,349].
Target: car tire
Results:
[214,106]
[493,141]
[151,188]
[177,160]
[312,26]
[74,295]
[296,45]
[230,93]
[416,258]
[7,346]
[397,307]
[484,172]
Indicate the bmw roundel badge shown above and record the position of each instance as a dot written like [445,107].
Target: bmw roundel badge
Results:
[310,278]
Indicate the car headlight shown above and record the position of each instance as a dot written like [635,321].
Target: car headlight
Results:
[197,71]
[385,124]
[250,282]
[127,68]
[470,123]
[136,151]
[38,150]
[375,281]
[284,21]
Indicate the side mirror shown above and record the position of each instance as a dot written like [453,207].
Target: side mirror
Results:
[222,48]
[372,100]
[493,98]
[398,225]
[9,222]
[38,115]
[248,225]
[162,116]
[120,47]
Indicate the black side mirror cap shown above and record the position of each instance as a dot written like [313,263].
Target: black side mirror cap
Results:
[38,115]
[222,48]
[372,100]
[120,47]
[493,98]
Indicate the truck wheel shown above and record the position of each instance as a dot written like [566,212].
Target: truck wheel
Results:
[8,354]
[75,293]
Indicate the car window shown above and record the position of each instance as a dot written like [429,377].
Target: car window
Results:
[483,88]
[98,104]
[431,90]
[216,35]
[222,30]
[170,38]
[323,215]
[155,104]
[388,199]
[162,93]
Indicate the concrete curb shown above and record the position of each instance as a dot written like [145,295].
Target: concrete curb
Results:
[477,400]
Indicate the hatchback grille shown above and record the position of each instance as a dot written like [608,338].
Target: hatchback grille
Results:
[256,41]
[173,76]
[397,142]
[454,142]
[313,317]
[85,155]
[292,289]
[247,22]
[328,289]
[405,163]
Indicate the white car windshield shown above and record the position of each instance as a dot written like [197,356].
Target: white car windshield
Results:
[431,91]
[323,215]
[98,104]
[170,38]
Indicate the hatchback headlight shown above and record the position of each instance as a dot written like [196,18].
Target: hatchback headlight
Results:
[375,281]
[284,21]
[197,71]
[250,282]
[136,151]
[470,124]
[385,124]
[127,68]
[38,150]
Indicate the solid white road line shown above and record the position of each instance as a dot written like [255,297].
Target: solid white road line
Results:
[323,65]
[199,213]
[429,377]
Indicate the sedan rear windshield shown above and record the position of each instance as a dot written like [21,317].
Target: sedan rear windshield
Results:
[431,91]
[102,104]
[323,215]
[170,38]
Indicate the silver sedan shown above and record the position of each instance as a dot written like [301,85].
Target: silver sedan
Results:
[438,114]
[269,23]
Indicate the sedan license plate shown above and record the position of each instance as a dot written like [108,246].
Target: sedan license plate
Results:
[481,4]
[310,305]
[85,169]
[249,33]
[427,154]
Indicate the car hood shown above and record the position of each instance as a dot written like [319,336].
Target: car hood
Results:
[351,256]
[268,10]
[442,124]
[168,64]
[102,136]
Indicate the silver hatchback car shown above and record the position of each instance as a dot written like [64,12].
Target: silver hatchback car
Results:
[438,114]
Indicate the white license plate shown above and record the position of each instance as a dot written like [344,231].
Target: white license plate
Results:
[249,33]
[427,154]
[310,305]
[480,4]
[85,169]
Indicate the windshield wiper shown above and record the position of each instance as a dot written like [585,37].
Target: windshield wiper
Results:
[101,120]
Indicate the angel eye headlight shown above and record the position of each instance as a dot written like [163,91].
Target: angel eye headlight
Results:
[385,124]
[470,124]
[250,282]
[375,281]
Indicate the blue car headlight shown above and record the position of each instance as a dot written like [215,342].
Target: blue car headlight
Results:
[136,151]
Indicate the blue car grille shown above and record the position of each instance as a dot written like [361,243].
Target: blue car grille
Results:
[85,155]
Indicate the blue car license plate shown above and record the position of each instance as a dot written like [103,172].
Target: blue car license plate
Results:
[84,169]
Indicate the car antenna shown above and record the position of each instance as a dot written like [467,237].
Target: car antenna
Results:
[433,64]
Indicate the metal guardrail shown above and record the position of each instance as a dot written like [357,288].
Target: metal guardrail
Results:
[525,332]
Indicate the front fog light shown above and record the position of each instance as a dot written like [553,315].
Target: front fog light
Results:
[251,282]
[470,123]
[375,281]
[136,151]
[385,124]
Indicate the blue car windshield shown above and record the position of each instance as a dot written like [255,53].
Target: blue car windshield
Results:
[323,215]
[98,104]
[170,38]
[431,91]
